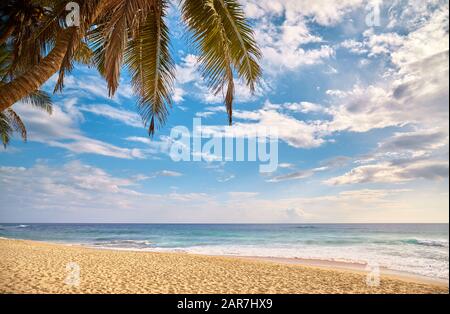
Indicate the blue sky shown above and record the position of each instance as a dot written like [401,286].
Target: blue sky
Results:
[361,111]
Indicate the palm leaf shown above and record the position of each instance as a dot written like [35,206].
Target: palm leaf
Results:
[67,62]
[225,43]
[243,47]
[124,17]
[5,62]
[10,122]
[41,100]
[89,11]
[83,54]
[151,66]
[5,128]
[97,44]
[17,123]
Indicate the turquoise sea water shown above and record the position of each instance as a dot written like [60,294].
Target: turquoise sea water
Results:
[416,248]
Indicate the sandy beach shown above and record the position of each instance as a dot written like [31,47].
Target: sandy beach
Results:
[37,267]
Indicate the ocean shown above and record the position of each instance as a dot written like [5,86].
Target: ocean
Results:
[421,249]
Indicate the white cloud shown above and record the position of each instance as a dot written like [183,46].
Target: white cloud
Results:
[153,146]
[303,174]
[427,23]
[403,157]
[61,130]
[360,205]
[323,12]
[79,192]
[285,165]
[418,141]
[354,46]
[124,116]
[168,173]
[391,173]
[430,39]
[89,84]
[242,195]
[297,175]
[186,71]
[225,178]
[415,88]
[281,46]
[76,192]
[283,43]
[139,139]
[382,43]
[304,107]
[178,94]
[297,133]
[413,95]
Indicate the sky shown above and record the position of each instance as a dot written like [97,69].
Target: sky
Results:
[359,101]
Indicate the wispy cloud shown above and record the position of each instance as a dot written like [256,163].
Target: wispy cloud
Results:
[61,130]
[124,116]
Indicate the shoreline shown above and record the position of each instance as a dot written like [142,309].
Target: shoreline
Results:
[319,263]
[41,267]
[350,267]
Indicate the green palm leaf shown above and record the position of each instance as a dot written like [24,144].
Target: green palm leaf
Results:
[83,54]
[5,128]
[41,100]
[131,32]
[225,43]
[10,122]
[123,17]
[151,66]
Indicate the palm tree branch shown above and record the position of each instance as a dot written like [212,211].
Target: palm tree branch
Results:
[124,17]
[151,66]
[211,39]
[241,39]
[83,54]
[40,100]
[5,128]
[16,123]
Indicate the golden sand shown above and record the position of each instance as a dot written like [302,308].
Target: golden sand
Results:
[35,267]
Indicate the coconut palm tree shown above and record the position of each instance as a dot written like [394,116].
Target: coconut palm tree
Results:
[134,34]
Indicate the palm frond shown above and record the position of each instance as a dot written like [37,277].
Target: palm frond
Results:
[67,62]
[97,44]
[17,123]
[151,66]
[83,54]
[41,100]
[125,17]
[115,45]
[243,47]
[5,128]
[225,43]
[89,10]
[5,62]
[10,122]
